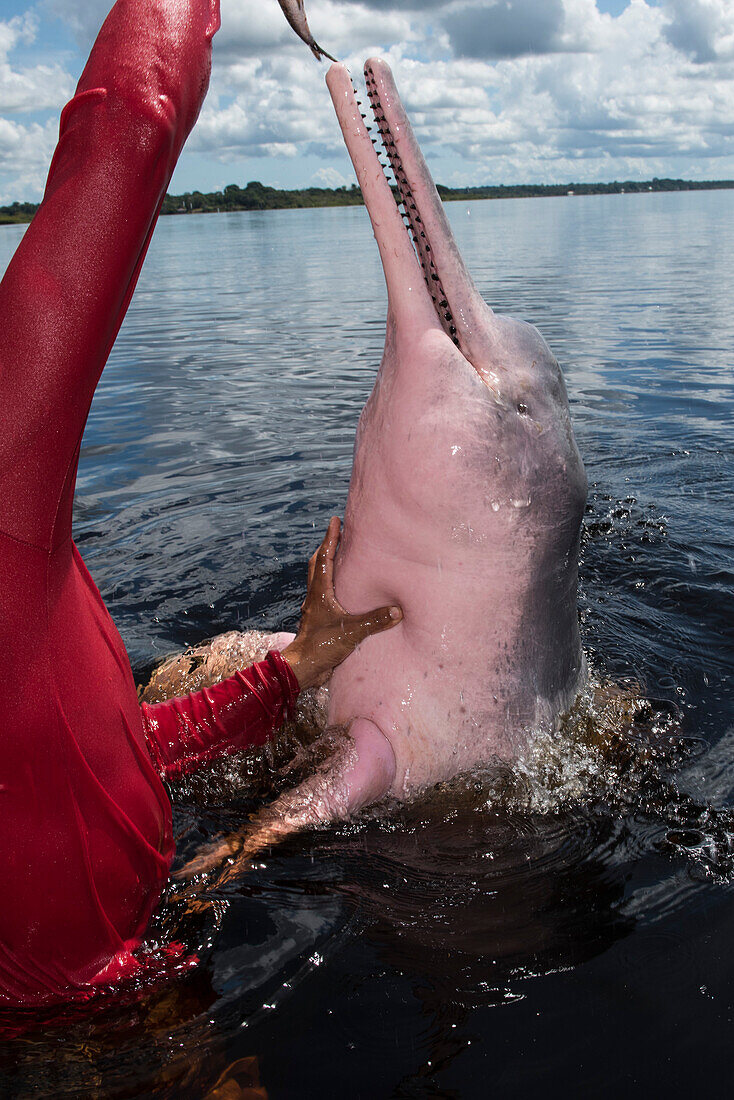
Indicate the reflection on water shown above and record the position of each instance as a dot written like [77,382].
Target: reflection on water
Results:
[373,959]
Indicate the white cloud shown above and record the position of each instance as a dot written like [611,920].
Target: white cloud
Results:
[257,28]
[25,148]
[25,153]
[704,29]
[264,108]
[498,90]
[546,91]
[330,177]
[83,18]
[28,89]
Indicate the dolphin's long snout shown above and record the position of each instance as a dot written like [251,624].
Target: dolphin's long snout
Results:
[456,303]
[405,284]
[462,311]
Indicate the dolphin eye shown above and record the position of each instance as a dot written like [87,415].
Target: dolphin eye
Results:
[522,409]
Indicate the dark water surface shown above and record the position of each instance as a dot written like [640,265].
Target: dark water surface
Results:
[580,946]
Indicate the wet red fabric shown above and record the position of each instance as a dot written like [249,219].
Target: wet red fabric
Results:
[239,713]
[86,823]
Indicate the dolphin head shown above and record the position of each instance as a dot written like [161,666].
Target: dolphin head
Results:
[488,385]
[467,490]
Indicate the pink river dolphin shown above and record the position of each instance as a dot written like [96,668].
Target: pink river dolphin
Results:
[466,497]
[464,507]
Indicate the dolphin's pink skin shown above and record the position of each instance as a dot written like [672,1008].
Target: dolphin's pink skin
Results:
[466,496]
[464,508]
[295,13]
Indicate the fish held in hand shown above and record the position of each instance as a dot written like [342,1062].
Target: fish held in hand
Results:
[295,13]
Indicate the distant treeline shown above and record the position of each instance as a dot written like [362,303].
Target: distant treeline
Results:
[529,190]
[257,196]
[18,212]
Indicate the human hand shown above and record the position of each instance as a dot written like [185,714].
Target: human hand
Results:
[327,633]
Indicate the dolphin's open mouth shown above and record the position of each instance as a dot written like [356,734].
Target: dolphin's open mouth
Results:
[408,205]
[456,303]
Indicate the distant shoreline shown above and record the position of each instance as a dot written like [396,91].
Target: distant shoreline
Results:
[257,196]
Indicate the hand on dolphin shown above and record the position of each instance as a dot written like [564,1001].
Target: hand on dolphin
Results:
[328,633]
[294,12]
[362,764]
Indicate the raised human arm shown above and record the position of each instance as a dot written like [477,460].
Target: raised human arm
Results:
[241,712]
[67,288]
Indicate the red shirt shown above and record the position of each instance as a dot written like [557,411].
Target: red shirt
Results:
[238,713]
[86,822]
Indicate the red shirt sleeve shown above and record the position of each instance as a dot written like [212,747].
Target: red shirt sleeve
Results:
[238,713]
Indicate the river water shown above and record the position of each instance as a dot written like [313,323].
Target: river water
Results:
[575,945]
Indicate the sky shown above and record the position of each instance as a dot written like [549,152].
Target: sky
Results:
[499,91]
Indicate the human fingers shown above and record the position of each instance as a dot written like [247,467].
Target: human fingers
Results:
[210,857]
[323,570]
[360,627]
[320,556]
[331,542]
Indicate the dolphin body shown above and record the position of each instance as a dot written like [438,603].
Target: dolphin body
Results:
[466,497]
[464,507]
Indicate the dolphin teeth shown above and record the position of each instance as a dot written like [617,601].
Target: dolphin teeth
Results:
[408,208]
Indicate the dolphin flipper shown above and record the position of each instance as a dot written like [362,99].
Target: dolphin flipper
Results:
[359,773]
